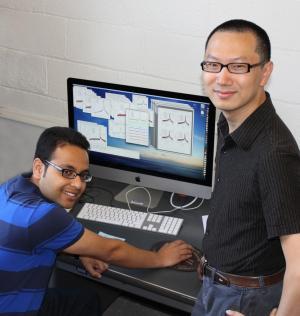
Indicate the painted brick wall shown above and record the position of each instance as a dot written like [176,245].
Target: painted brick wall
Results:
[156,44]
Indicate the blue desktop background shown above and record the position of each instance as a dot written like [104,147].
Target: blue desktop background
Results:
[191,168]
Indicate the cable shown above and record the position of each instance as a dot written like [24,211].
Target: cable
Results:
[136,188]
[175,207]
[182,206]
[193,208]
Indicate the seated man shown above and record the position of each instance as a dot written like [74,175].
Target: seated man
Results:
[34,227]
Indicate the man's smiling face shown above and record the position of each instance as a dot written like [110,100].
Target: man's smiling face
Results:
[50,181]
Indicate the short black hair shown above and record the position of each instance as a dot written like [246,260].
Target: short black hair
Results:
[56,136]
[263,47]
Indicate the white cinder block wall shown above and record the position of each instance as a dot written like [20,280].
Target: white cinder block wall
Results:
[157,44]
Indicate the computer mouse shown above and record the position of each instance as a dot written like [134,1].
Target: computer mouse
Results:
[188,265]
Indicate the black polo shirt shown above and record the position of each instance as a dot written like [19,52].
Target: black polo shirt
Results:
[256,196]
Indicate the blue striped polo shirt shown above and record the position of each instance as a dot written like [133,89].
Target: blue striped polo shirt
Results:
[32,231]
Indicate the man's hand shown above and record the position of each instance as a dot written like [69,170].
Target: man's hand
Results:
[94,266]
[174,252]
[233,313]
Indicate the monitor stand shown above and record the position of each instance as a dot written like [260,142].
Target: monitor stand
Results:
[139,196]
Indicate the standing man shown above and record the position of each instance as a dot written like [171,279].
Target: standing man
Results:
[34,227]
[255,266]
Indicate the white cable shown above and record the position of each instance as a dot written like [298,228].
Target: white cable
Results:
[181,206]
[136,188]
[175,207]
[193,208]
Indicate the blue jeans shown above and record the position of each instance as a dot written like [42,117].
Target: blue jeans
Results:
[214,299]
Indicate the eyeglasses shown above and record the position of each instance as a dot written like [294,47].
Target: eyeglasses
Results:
[69,173]
[234,68]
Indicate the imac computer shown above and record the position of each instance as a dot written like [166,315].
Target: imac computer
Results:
[156,139]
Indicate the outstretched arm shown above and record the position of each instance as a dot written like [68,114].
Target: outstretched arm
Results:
[123,254]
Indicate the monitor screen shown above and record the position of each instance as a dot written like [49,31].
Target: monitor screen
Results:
[157,139]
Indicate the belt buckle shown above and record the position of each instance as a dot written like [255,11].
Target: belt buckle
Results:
[221,279]
[201,267]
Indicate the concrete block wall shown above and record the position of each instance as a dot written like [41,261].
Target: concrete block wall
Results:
[156,44]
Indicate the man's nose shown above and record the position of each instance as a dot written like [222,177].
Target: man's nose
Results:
[76,182]
[224,76]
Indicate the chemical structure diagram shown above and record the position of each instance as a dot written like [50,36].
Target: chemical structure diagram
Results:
[174,129]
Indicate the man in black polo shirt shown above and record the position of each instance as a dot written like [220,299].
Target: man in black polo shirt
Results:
[252,241]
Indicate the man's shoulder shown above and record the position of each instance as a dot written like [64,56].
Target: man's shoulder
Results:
[272,134]
[20,190]
[279,137]
[21,197]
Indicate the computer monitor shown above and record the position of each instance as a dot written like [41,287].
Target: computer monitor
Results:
[156,139]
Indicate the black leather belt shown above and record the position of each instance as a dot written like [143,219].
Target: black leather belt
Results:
[228,279]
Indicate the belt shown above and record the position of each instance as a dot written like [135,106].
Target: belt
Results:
[228,279]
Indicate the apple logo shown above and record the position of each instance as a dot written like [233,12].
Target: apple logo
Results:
[138,179]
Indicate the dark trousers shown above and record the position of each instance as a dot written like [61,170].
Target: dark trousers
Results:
[70,302]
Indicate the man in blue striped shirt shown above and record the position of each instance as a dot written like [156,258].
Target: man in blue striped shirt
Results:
[34,227]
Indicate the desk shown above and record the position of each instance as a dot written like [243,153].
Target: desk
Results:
[173,288]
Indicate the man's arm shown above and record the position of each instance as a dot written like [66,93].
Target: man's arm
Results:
[123,254]
[290,298]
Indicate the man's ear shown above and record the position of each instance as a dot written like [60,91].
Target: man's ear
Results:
[38,169]
[267,70]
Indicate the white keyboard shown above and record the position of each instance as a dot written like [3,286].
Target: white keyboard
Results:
[134,219]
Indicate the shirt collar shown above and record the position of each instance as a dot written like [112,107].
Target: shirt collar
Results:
[245,134]
[24,183]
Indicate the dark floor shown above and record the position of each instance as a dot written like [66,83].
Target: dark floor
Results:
[113,301]
[129,305]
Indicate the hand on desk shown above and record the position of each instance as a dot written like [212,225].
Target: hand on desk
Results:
[233,313]
[174,252]
[94,266]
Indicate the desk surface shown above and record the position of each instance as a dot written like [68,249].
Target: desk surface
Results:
[175,288]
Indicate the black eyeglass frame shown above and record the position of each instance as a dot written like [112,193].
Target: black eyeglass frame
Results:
[69,173]
[228,67]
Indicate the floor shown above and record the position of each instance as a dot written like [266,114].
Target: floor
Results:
[114,302]
[129,305]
